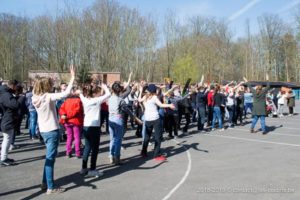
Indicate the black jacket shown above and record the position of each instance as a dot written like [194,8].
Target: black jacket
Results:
[9,106]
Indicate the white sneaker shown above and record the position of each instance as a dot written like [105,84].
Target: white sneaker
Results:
[83,171]
[222,129]
[94,173]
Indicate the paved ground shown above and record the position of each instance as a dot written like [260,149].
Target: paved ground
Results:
[233,164]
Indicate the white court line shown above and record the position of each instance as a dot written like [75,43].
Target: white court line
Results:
[183,179]
[253,140]
[292,135]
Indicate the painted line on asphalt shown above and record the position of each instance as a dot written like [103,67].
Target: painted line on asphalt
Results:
[253,140]
[183,179]
[283,134]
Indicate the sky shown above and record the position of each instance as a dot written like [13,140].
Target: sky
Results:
[236,12]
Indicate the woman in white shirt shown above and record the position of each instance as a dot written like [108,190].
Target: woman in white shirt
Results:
[281,101]
[91,128]
[151,116]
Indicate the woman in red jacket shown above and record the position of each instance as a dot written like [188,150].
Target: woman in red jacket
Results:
[71,116]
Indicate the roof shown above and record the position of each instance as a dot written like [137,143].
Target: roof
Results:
[92,72]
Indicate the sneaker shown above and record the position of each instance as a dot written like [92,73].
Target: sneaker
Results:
[170,137]
[144,155]
[160,158]
[176,137]
[55,191]
[84,171]
[68,156]
[43,187]
[118,161]
[264,132]
[185,133]
[251,130]
[94,173]
[213,129]
[10,160]
[222,129]
[13,147]
[7,162]
[111,159]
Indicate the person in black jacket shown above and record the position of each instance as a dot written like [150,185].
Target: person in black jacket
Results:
[9,106]
[201,102]
[20,114]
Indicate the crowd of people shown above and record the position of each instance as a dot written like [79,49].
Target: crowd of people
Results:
[77,112]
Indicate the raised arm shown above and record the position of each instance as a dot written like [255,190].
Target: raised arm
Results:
[265,90]
[126,93]
[170,90]
[97,100]
[248,85]
[161,105]
[237,86]
[129,80]
[57,96]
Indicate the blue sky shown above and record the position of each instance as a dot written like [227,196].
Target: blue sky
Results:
[236,11]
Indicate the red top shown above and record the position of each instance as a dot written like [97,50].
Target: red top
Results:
[210,98]
[104,106]
[73,109]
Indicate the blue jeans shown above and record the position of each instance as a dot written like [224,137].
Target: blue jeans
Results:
[248,106]
[231,112]
[201,118]
[116,134]
[51,140]
[262,122]
[33,123]
[217,115]
[144,127]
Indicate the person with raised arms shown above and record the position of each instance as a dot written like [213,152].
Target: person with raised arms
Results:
[44,102]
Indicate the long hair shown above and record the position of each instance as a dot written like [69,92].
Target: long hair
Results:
[258,89]
[42,86]
[117,88]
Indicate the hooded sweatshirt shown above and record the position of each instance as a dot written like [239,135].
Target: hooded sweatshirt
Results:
[46,110]
[9,106]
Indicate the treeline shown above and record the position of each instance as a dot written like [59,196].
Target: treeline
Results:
[111,37]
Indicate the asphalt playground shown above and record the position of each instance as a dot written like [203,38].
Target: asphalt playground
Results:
[229,165]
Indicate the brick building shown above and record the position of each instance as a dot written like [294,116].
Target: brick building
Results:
[106,77]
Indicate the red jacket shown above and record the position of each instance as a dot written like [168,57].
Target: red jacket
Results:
[73,109]
[210,98]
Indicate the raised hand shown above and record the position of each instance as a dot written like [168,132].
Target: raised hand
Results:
[267,76]
[72,71]
[104,86]
[172,107]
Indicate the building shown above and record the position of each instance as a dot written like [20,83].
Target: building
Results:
[105,77]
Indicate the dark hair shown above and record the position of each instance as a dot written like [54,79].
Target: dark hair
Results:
[217,89]
[13,82]
[117,88]
[19,89]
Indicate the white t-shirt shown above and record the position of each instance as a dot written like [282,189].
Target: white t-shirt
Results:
[151,111]
[91,107]
[281,98]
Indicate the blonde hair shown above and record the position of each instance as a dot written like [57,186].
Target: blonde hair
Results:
[42,86]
